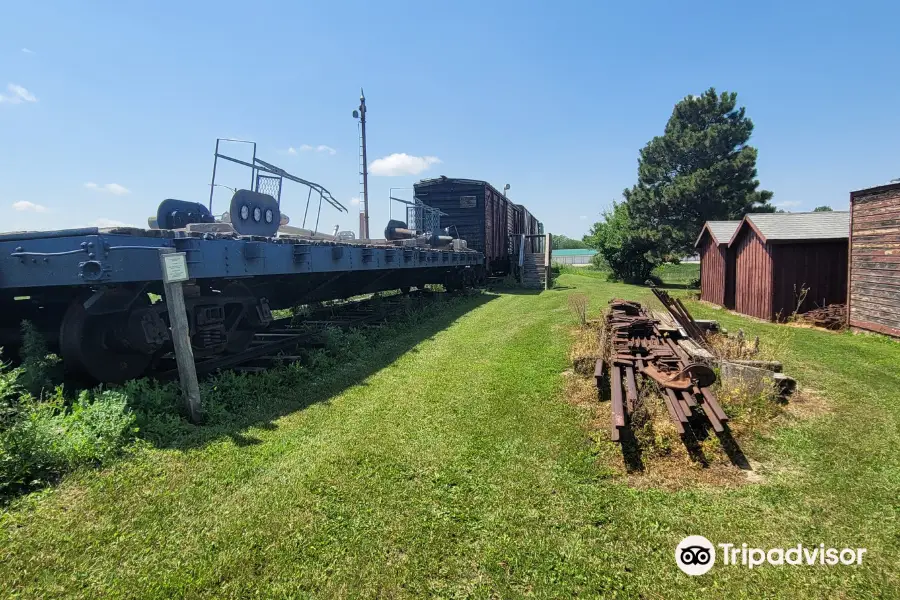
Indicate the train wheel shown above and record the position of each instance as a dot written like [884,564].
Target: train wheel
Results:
[87,343]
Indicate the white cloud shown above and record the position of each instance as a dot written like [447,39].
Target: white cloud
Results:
[27,51]
[16,95]
[111,188]
[788,204]
[582,217]
[104,222]
[354,200]
[321,148]
[26,206]
[402,164]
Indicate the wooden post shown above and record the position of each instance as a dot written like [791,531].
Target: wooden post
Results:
[174,270]
[548,253]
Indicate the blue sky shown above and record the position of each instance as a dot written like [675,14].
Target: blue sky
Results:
[109,107]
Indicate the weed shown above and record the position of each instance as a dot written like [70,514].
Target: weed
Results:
[50,437]
[40,370]
[578,304]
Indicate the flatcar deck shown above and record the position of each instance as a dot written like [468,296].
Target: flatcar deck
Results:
[91,291]
[91,256]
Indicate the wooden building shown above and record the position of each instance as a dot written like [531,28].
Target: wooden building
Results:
[717,262]
[778,255]
[874,298]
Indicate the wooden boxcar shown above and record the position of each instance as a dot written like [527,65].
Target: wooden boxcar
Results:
[874,299]
[778,255]
[481,215]
[717,262]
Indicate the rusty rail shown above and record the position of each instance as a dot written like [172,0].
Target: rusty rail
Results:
[637,347]
[682,316]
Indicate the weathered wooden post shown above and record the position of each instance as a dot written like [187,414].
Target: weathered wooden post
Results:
[174,271]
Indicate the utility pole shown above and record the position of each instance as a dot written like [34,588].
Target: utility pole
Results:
[361,115]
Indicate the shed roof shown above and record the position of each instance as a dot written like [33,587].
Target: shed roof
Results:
[888,187]
[575,252]
[721,231]
[834,225]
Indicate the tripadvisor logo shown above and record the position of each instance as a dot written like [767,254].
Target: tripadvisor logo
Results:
[695,555]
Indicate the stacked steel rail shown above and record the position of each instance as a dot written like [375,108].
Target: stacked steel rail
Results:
[682,316]
[637,346]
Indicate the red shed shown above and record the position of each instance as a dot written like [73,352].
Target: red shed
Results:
[717,262]
[777,255]
[874,298]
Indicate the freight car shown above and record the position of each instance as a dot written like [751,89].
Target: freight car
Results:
[483,216]
[95,293]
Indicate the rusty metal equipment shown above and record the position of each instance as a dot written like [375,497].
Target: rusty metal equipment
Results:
[833,316]
[637,346]
[681,316]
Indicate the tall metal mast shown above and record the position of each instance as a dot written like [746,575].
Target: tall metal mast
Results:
[364,221]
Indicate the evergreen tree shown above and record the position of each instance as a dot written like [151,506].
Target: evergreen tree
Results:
[700,169]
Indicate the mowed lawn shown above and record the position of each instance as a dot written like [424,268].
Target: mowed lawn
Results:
[460,470]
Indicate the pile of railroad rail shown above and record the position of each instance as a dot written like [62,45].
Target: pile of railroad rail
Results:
[833,316]
[638,344]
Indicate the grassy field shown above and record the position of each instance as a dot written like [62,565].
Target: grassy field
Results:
[678,276]
[458,469]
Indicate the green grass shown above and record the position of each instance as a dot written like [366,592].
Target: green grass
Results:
[680,275]
[458,469]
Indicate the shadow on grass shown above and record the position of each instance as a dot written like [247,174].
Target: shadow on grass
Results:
[235,402]
[516,290]
[696,432]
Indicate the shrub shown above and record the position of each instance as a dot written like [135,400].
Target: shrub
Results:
[630,257]
[10,391]
[40,369]
[599,262]
[653,280]
[47,438]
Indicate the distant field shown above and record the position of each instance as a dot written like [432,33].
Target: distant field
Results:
[444,460]
[680,275]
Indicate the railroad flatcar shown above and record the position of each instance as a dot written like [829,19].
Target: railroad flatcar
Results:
[91,291]
[477,212]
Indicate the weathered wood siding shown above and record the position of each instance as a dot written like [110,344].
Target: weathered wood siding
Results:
[874,298]
[712,270]
[753,275]
[819,267]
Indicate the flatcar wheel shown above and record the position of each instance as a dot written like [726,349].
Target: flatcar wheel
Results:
[239,339]
[86,344]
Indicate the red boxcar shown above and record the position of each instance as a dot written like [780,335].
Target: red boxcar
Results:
[481,215]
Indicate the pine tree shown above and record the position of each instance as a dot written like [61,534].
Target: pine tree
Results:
[700,169]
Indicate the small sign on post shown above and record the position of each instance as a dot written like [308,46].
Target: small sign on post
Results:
[174,267]
[174,271]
